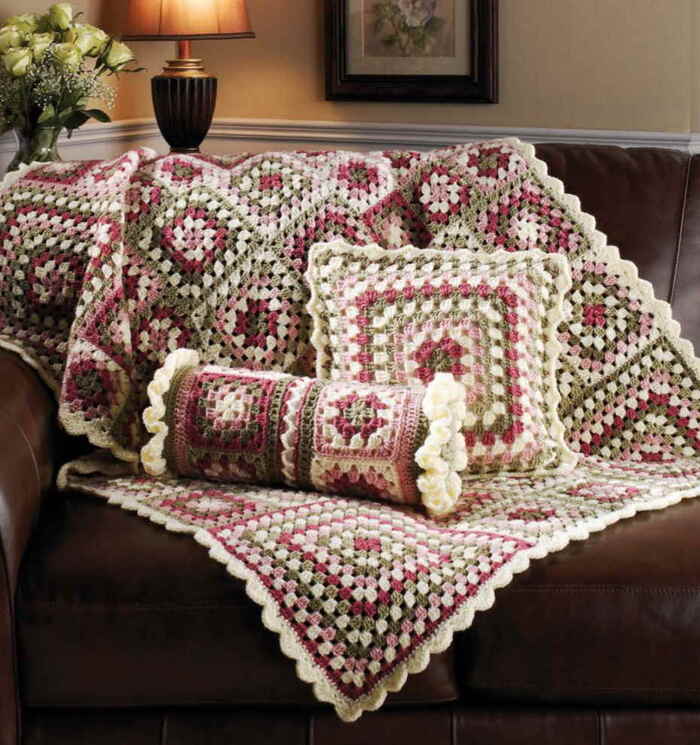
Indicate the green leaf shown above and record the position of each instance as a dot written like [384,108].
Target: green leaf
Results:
[63,116]
[75,120]
[47,115]
[101,116]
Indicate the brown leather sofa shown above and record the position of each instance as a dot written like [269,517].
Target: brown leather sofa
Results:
[114,631]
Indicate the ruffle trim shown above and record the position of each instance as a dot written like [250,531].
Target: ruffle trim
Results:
[154,416]
[443,455]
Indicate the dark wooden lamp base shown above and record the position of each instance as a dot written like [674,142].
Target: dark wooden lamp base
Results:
[184,108]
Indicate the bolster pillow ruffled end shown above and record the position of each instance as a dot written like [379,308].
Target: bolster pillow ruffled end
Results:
[443,455]
[152,453]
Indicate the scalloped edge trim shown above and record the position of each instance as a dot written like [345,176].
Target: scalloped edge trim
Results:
[418,661]
[443,454]
[98,462]
[566,459]
[602,250]
[12,177]
[152,458]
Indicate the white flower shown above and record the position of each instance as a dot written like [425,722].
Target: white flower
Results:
[10,37]
[26,23]
[17,61]
[61,16]
[417,12]
[68,55]
[90,40]
[39,43]
[118,55]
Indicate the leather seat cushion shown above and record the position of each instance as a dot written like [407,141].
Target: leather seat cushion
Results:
[613,620]
[113,611]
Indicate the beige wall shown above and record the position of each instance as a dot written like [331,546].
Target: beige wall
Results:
[606,64]
[600,64]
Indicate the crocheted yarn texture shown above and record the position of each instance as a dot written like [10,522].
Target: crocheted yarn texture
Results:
[237,425]
[490,320]
[146,257]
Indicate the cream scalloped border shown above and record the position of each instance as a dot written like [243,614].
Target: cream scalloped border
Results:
[662,311]
[556,432]
[152,457]
[98,462]
[307,670]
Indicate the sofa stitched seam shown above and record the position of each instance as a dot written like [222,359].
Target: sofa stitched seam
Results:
[577,691]
[657,590]
[399,704]
[310,729]
[89,607]
[164,729]
[681,234]
[136,607]
[13,645]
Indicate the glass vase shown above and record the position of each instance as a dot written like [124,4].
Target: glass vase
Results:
[38,145]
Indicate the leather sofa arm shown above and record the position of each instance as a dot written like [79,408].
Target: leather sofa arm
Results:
[27,415]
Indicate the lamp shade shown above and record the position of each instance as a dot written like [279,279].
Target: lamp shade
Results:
[186,19]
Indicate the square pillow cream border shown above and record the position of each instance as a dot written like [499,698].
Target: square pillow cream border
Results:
[565,459]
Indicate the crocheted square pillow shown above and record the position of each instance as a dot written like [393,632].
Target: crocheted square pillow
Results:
[401,316]
[400,444]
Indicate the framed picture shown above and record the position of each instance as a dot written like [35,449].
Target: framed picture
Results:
[412,50]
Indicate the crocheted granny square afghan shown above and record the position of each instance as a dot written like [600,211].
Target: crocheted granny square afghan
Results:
[106,268]
[145,256]
[491,320]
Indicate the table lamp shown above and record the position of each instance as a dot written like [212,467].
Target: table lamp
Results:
[184,95]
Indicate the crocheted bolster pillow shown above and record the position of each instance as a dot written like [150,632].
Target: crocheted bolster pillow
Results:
[396,443]
[491,320]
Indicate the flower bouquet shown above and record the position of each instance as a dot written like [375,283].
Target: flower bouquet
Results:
[51,68]
[408,28]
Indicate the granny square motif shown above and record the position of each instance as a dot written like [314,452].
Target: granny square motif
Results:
[401,316]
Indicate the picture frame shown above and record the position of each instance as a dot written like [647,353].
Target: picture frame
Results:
[370,43]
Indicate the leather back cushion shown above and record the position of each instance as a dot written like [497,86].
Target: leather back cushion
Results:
[638,197]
